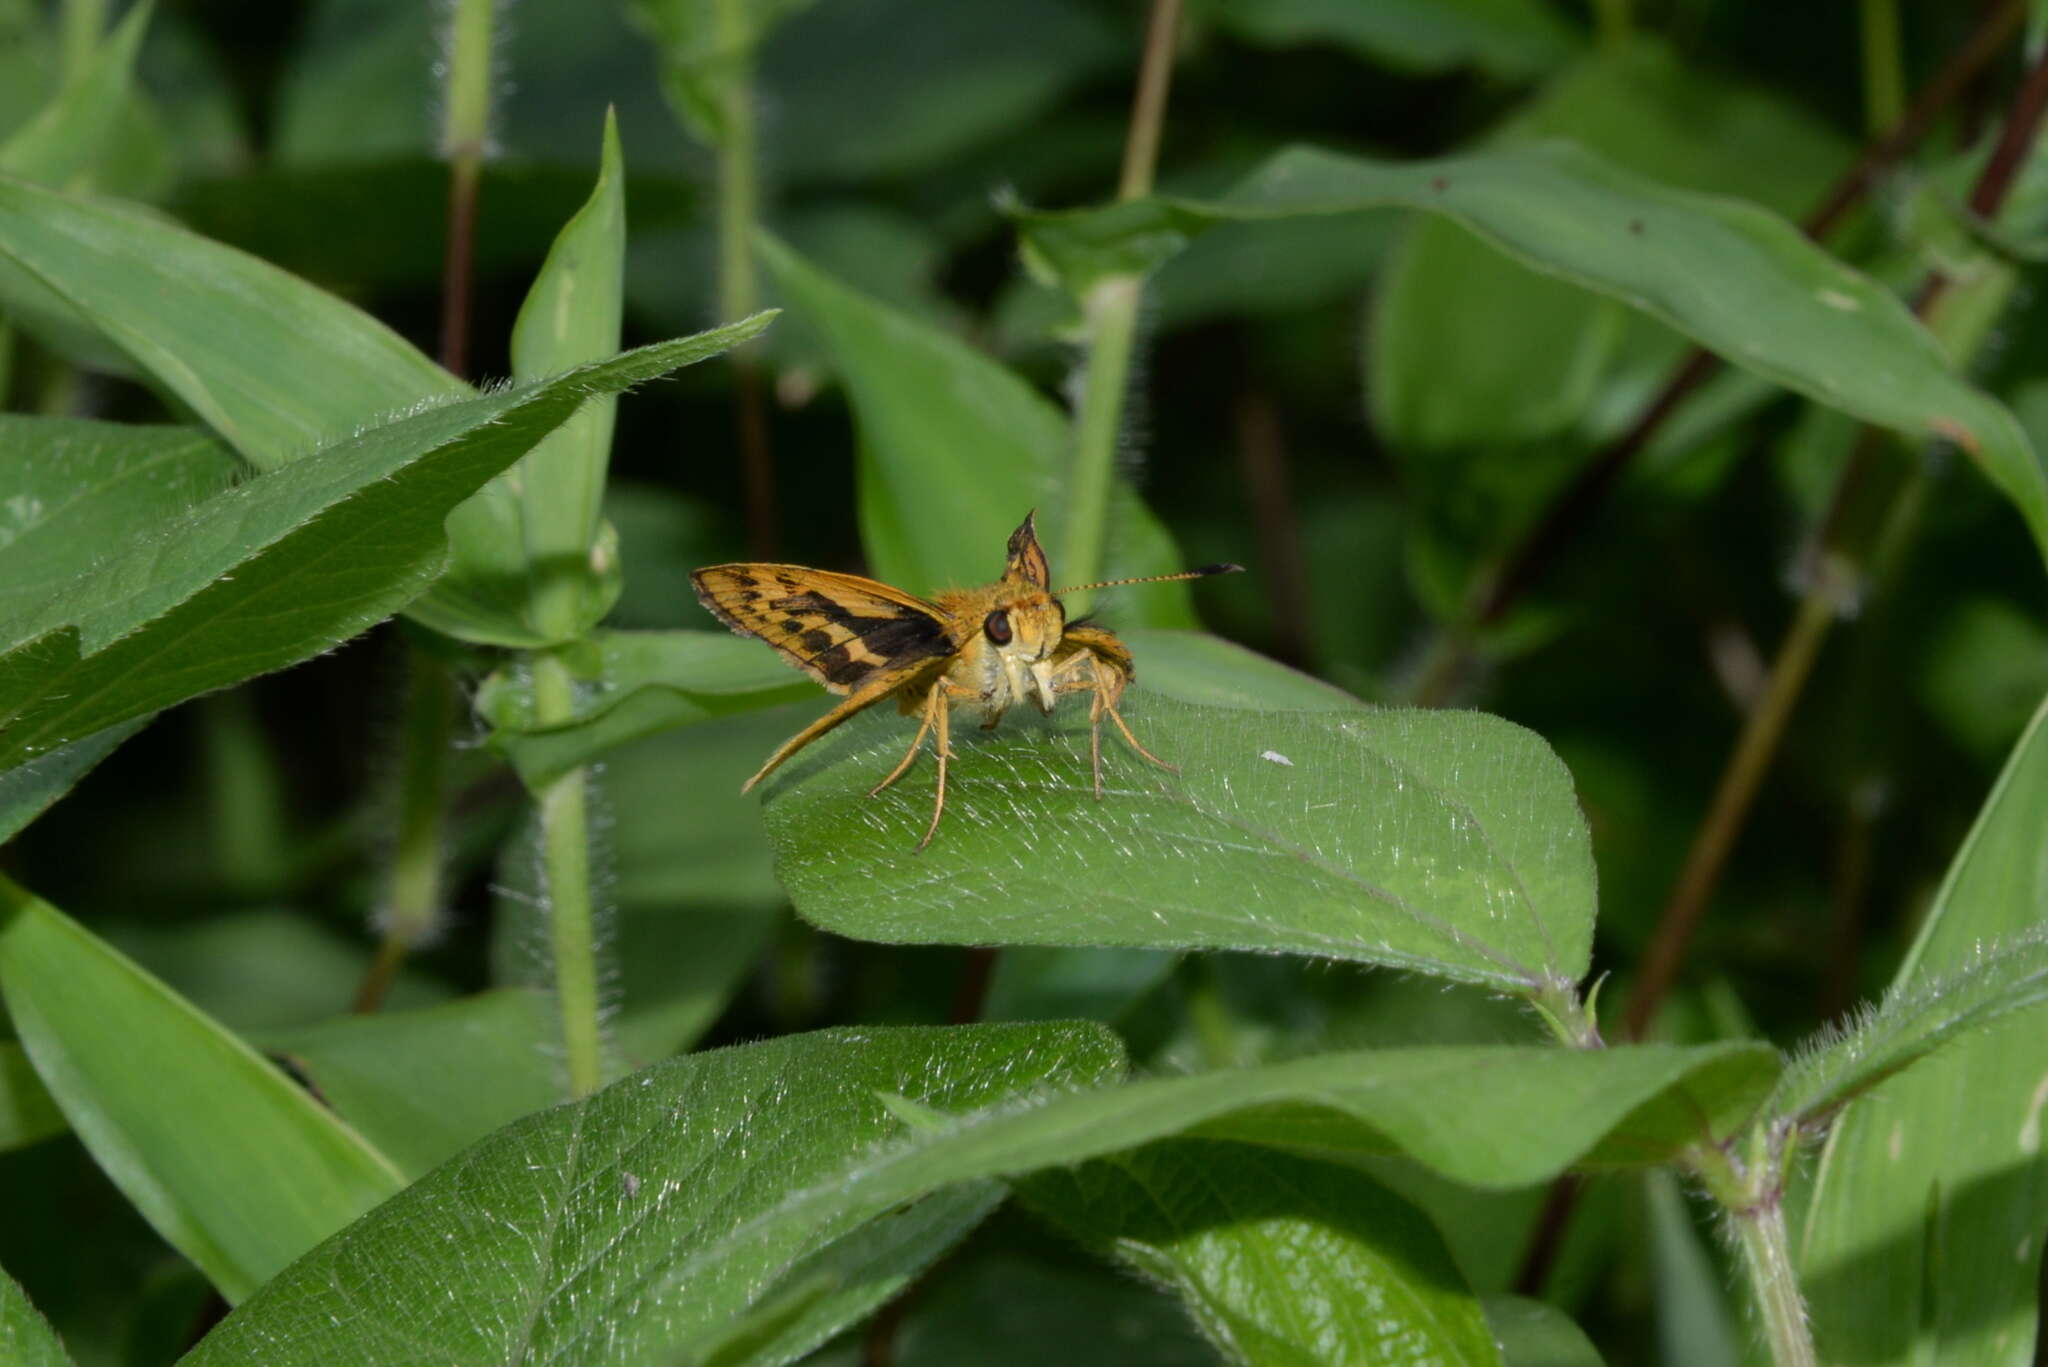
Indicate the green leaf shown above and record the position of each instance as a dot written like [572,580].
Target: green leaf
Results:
[275,366]
[1695,1326]
[955,449]
[570,318]
[342,539]
[1279,1259]
[27,1110]
[1443,842]
[1913,1021]
[237,1168]
[1471,349]
[1536,1334]
[1734,278]
[1509,38]
[1923,1232]
[26,1339]
[652,1217]
[78,489]
[63,143]
[423,1085]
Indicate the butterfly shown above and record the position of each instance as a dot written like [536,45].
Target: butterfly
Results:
[980,650]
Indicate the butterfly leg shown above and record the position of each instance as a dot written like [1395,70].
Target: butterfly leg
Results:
[944,711]
[933,704]
[1106,682]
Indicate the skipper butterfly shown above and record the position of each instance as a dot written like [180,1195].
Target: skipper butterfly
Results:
[980,650]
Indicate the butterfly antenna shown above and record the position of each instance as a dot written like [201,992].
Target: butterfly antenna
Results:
[1202,573]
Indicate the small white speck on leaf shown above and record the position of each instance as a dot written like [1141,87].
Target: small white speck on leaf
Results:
[630,1182]
[1276,757]
[1835,299]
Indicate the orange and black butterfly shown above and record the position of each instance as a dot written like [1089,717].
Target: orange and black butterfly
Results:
[981,650]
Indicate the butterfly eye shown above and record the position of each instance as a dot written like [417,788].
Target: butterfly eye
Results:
[997,625]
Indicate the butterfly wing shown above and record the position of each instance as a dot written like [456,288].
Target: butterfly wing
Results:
[846,632]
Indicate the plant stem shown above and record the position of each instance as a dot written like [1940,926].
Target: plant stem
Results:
[465,137]
[565,874]
[1884,72]
[1767,1259]
[739,289]
[1615,22]
[1111,309]
[84,23]
[413,906]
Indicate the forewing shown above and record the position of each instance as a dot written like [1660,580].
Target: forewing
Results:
[844,631]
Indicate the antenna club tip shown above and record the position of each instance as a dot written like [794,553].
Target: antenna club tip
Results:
[1221,567]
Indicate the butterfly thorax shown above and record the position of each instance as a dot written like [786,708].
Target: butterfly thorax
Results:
[1007,634]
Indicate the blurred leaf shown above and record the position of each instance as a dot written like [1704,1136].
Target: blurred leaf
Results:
[707,52]
[640,683]
[242,1175]
[422,1085]
[1537,1334]
[861,89]
[274,365]
[29,63]
[1471,348]
[1695,1326]
[1441,842]
[347,536]
[1279,1259]
[1272,268]
[1038,982]
[26,1339]
[1732,277]
[570,318]
[616,665]
[265,970]
[1197,667]
[27,1110]
[1914,1020]
[955,450]
[29,790]
[286,214]
[1923,1233]
[1983,674]
[62,143]
[1508,38]
[666,1199]
[663,535]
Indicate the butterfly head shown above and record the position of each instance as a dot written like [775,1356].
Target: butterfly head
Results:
[1022,623]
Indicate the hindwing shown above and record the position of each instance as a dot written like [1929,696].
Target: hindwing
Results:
[844,631]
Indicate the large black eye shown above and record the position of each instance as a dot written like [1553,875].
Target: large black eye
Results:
[997,625]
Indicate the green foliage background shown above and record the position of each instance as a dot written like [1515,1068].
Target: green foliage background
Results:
[1302,1035]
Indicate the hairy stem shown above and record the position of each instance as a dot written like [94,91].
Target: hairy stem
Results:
[465,137]
[1767,1263]
[412,908]
[565,874]
[1112,316]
